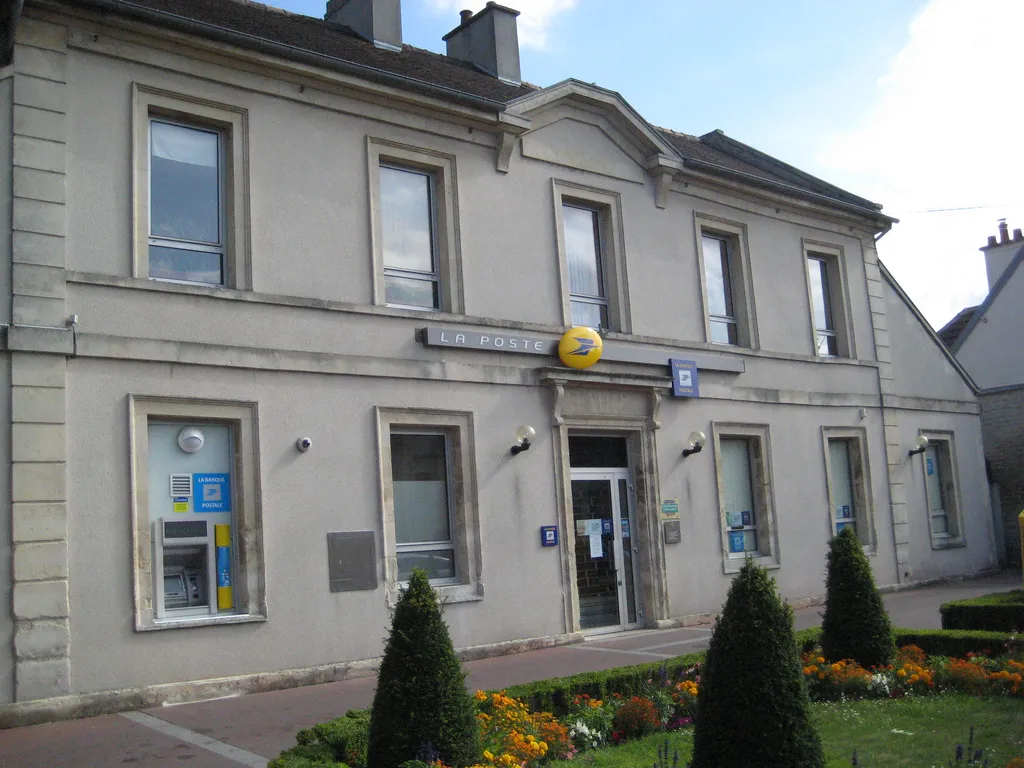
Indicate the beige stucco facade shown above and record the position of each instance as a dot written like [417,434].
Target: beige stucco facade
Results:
[304,343]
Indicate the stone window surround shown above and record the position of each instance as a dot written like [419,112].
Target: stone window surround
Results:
[835,261]
[233,124]
[735,235]
[250,594]
[459,427]
[865,517]
[609,206]
[764,494]
[442,167]
[947,464]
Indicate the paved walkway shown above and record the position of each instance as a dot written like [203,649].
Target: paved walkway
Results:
[249,730]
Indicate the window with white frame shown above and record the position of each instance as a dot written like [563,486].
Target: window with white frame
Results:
[414,207]
[195,493]
[421,484]
[589,243]
[191,190]
[744,494]
[847,482]
[942,495]
[584,249]
[826,290]
[728,304]
[428,481]
[412,277]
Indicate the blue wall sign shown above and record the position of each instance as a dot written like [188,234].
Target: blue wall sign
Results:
[684,378]
[212,492]
[930,467]
[549,535]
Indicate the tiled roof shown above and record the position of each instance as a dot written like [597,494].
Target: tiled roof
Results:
[951,331]
[262,22]
[261,27]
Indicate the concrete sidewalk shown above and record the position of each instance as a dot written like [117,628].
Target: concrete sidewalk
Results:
[250,730]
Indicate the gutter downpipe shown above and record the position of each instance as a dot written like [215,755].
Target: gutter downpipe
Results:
[294,53]
[11,24]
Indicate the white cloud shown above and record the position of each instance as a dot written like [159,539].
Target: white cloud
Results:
[945,132]
[534,20]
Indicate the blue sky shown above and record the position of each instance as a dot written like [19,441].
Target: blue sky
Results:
[907,102]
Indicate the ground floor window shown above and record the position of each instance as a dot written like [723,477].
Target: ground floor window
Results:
[428,481]
[743,472]
[196,513]
[942,495]
[847,482]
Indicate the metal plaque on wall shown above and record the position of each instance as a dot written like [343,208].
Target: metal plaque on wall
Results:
[352,561]
[672,532]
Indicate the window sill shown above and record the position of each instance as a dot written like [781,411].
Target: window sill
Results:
[948,543]
[734,564]
[446,593]
[199,621]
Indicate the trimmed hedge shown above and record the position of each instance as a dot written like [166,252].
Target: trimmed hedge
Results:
[998,612]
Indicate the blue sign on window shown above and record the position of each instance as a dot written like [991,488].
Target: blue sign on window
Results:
[684,378]
[929,467]
[212,492]
[736,541]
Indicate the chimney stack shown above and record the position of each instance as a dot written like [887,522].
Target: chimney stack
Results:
[489,40]
[999,252]
[379,21]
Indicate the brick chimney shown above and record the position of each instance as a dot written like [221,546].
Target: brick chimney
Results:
[999,252]
[379,21]
[489,40]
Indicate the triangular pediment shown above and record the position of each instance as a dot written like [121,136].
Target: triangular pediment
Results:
[583,126]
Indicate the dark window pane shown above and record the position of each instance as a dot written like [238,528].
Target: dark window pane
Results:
[723,332]
[582,250]
[420,488]
[182,264]
[438,563]
[406,220]
[184,183]
[596,451]
[410,292]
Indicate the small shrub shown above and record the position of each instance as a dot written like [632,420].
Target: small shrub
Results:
[636,718]
[346,737]
[752,708]
[855,625]
[421,702]
[998,612]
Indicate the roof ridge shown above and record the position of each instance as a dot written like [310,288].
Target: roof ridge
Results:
[993,294]
[673,132]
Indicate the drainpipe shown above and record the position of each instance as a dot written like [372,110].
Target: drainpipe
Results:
[8,25]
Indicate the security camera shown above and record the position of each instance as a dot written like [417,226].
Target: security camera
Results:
[304,444]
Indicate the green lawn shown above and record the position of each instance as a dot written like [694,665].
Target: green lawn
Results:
[887,733]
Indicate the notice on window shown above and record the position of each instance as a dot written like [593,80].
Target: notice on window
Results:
[594,530]
[670,509]
[181,503]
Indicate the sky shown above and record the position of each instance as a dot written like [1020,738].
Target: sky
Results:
[915,104]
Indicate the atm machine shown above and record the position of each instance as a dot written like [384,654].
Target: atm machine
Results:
[186,554]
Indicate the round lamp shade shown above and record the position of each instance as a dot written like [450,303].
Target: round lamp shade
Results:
[191,439]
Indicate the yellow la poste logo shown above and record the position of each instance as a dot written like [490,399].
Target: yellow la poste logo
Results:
[580,347]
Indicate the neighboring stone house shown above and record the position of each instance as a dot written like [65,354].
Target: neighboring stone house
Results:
[284,293]
[988,342]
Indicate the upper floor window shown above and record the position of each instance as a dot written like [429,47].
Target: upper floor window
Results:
[725,272]
[718,274]
[414,206]
[588,298]
[191,190]
[590,255]
[409,238]
[831,326]
[826,343]
[186,203]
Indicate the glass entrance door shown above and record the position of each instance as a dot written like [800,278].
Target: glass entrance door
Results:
[604,528]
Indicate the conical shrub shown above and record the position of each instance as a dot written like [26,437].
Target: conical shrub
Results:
[855,625]
[751,701]
[421,708]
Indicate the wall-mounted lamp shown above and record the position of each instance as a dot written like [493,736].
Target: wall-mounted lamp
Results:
[191,439]
[694,443]
[523,436]
[919,445]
